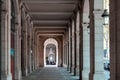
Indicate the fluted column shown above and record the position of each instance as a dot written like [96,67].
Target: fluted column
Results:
[86,53]
[5,41]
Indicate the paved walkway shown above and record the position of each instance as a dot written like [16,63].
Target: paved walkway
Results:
[51,74]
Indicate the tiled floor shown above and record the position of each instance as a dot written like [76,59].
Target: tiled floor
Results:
[51,74]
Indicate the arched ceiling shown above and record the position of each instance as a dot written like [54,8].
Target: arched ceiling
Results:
[51,15]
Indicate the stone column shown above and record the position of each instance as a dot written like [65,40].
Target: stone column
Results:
[69,48]
[99,53]
[63,54]
[18,49]
[86,53]
[73,46]
[38,53]
[33,48]
[5,41]
[25,51]
[67,55]
[77,43]
[29,44]
[30,49]
[114,40]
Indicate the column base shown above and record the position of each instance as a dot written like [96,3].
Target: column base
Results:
[18,75]
[6,77]
[24,72]
[65,66]
[70,69]
[91,76]
[77,71]
[85,74]
[99,75]
[74,71]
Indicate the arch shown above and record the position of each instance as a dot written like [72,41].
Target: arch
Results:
[53,42]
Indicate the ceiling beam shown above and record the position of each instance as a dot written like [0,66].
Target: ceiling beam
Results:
[50,30]
[50,13]
[51,21]
[53,1]
[50,34]
[47,27]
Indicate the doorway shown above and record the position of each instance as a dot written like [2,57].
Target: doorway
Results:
[50,53]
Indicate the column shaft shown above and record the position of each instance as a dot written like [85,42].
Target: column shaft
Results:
[86,53]
[99,54]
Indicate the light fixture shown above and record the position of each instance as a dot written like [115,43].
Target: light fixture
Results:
[105,14]
[87,24]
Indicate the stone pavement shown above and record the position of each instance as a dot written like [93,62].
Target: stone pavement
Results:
[51,74]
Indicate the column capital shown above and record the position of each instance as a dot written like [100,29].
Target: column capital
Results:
[85,25]
[98,13]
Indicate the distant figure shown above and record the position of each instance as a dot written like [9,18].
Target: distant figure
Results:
[51,57]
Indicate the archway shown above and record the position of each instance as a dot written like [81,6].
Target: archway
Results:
[50,53]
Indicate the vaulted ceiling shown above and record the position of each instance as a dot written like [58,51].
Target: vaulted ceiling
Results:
[51,15]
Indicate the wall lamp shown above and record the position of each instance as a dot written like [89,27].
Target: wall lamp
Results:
[105,15]
[88,29]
